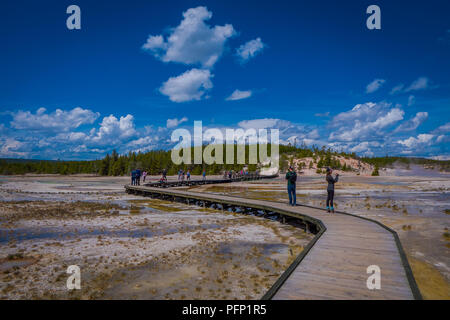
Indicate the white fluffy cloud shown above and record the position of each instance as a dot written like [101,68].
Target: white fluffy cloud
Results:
[443,129]
[367,129]
[365,147]
[10,147]
[239,95]
[375,85]
[57,121]
[191,85]
[413,123]
[192,41]
[364,121]
[112,133]
[422,139]
[172,123]
[376,128]
[143,144]
[67,137]
[250,49]
[113,130]
[261,123]
[195,42]
[289,132]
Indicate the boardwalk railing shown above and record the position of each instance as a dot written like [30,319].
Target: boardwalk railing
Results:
[181,183]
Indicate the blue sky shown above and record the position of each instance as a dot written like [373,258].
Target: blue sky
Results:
[139,69]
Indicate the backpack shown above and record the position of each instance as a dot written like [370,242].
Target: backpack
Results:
[293,178]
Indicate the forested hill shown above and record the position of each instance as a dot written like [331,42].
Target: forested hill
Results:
[155,161]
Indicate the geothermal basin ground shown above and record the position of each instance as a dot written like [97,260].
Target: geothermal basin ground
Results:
[130,247]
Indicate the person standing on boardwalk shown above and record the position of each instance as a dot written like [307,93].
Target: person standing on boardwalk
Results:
[138,177]
[188,175]
[164,175]
[330,189]
[133,177]
[204,174]
[144,174]
[291,177]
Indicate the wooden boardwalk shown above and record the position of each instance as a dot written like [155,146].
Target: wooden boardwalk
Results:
[182,183]
[334,265]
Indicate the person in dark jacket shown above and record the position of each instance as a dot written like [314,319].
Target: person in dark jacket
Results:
[291,177]
[330,189]
[138,177]
[133,177]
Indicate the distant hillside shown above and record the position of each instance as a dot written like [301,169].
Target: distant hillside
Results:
[391,162]
[317,165]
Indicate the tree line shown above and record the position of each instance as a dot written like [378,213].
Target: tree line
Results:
[155,161]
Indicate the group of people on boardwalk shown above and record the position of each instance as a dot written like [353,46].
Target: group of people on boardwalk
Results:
[291,177]
[231,174]
[136,177]
[181,175]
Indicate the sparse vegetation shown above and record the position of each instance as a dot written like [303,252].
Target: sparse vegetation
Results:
[375,171]
[15,256]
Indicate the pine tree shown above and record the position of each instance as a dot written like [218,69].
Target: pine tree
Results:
[320,163]
[375,172]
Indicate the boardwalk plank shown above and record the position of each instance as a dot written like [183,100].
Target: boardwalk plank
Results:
[351,284]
